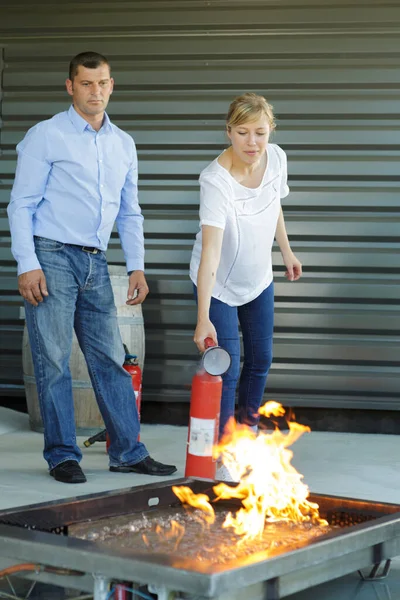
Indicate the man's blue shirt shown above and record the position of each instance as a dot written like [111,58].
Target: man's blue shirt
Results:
[71,184]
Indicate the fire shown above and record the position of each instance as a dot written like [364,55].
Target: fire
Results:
[269,487]
[272,408]
[176,531]
[200,501]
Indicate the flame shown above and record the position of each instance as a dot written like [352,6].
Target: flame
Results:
[269,487]
[200,501]
[272,408]
[176,531]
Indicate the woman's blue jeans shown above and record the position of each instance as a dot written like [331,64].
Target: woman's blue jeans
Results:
[256,320]
[81,298]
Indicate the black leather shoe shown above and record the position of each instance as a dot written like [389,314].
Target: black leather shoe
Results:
[147,466]
[68,472]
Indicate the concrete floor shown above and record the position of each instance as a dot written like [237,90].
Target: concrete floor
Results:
[354,465]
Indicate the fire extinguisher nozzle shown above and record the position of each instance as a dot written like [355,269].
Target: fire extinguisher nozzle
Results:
[98,437]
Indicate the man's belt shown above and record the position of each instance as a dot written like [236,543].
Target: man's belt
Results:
[90,249]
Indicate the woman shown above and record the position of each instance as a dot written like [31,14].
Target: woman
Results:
[231,265]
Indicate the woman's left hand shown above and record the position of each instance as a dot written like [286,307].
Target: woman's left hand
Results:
[293,266]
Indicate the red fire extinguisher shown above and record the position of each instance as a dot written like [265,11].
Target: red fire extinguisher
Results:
[205,405]
[122,592]
[131,365]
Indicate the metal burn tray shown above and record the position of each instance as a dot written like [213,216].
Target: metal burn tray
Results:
[366,535]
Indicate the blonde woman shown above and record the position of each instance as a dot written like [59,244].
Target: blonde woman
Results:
[231,265]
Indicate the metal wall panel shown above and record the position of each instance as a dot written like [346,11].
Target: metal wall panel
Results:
[331,68]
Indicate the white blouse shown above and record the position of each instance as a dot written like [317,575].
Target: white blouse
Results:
[248,217]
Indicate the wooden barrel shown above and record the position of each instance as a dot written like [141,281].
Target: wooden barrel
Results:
[88,419]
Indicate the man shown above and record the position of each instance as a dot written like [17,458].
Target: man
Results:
[76,176]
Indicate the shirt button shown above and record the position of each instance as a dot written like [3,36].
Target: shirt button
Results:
[101,160]
[102,210]
[101,185]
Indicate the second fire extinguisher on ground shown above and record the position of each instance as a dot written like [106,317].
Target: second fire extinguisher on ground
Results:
[131,365]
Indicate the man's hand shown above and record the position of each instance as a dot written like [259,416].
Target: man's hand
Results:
[32,286]
[137,282]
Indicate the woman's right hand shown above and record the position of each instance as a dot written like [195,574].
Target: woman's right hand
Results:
[204,330]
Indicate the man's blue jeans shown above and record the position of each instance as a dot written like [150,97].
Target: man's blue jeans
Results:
[256,320]
[80,297]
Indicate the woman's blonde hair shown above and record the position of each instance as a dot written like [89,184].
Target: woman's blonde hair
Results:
[249,107]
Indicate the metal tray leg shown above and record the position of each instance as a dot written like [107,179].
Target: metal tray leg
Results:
[161,592]
[101,586]
[272,589]
[374,575]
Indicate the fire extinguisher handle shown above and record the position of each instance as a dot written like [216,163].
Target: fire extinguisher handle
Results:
[209,342]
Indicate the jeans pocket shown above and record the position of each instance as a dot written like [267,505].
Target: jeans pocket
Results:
[46,245]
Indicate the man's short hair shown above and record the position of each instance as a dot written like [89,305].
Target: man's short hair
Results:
[90,60]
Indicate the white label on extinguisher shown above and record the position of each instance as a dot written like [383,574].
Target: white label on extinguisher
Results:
[201,438]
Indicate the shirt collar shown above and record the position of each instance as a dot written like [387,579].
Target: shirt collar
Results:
[81,124]
[106,122]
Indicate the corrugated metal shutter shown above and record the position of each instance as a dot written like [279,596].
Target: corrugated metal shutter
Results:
[332,71]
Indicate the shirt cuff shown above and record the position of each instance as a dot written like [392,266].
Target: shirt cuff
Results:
[28,264]
[134,265]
